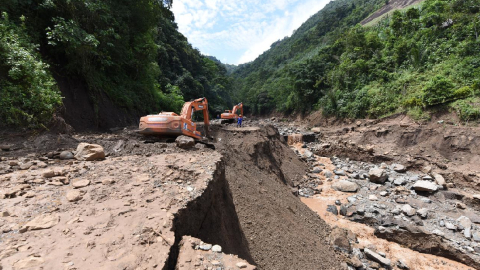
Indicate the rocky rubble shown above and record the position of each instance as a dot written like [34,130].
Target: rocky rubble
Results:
[195,254]
[391,199]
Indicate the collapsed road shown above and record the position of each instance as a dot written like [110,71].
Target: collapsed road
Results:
[167,205]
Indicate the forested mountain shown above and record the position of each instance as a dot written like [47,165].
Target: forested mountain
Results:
[410,61]
[111,61]
[104,63]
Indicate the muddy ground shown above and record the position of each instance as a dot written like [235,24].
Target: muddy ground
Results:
[248,201]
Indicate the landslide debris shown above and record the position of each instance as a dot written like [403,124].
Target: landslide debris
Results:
[411,201]
[281,232]
[140,204]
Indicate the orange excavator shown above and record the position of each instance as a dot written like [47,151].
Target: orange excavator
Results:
[172,124]
[231,116]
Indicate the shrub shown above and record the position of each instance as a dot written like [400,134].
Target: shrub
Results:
[28,93]
[467,109]
[438,90]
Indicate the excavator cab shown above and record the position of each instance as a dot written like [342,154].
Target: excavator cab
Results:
[172,124]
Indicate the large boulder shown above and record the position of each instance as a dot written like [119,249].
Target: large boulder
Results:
[377,175]
[185,142]
[345,186]
[423,185]
[89,152]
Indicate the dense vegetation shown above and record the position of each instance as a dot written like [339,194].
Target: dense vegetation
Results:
[130,51]
[411,61]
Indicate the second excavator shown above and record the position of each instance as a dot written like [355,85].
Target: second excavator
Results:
[232,116]
[172,124]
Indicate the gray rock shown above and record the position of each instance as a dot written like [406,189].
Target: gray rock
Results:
[414,178]
[351,199]
[450,226]
[360,209]
[396,211]
[185,142]
[467,233]
[339,172]
[427,177]
[328,174]
[5,147]
[476,236]
[317,170]
[400,181]
[408,210]
[205,247]
[402,265]
[465,222]
[425,186]
[343,210]
[345,186]
[441,223]
[426,200]
[377,175]
[66,155]
[26,166]
[423,212]
[376,257]
[440,180]
[332,209]
[217,248]
[308,154]
[383,193]
[398,168]
[438,232]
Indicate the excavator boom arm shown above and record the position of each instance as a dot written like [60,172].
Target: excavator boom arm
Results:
[190,107]
[239,106]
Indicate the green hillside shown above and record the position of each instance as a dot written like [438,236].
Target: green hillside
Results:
[109,60]
[102,63]
[415,59]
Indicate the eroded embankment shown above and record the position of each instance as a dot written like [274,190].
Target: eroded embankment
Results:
[281,232]
[211,218]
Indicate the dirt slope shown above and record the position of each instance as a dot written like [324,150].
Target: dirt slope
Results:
[282,232]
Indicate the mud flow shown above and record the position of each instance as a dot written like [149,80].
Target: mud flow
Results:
[269,195]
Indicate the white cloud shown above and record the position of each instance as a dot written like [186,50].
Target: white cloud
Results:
[243,28]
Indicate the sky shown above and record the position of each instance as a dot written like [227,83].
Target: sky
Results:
[237,32]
